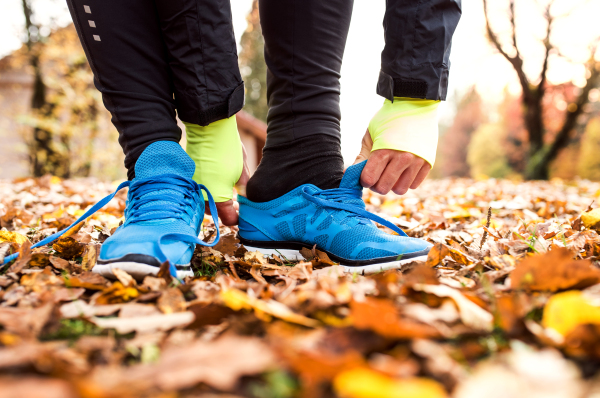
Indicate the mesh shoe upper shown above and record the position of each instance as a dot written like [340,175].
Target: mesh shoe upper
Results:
[335,220]
[162,199]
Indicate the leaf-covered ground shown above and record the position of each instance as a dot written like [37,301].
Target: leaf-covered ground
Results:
[507,304]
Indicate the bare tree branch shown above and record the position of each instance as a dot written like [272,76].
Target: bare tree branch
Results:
[516,61]
[548,45]
[573,112]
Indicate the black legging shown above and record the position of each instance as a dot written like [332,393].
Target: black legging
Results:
[151,58]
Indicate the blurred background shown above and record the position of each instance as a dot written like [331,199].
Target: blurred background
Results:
[524,95]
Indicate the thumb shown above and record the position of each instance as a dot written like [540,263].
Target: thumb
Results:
[226,211]
[365,150]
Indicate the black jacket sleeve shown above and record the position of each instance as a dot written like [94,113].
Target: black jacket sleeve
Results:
[415,60]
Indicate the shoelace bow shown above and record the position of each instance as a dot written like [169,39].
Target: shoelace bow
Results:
[338,199]
[176,207]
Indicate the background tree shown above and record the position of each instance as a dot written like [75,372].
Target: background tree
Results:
[542,149]
[253,67]
[486,154]
[42,155]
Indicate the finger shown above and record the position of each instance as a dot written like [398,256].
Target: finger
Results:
[226,211]
[365,148]
[408,176]
[421,176]
[392,172]
[375,166]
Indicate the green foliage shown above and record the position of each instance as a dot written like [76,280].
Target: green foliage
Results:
[253,67]
[588,165]
[278,384]
[486,155]
[73,329]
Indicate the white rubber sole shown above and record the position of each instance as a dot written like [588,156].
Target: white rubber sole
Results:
[137,270]
[287,254]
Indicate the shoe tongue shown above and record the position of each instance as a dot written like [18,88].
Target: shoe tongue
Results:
[164,157]
[351,179]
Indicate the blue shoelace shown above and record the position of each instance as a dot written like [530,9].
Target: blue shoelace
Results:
[141,208]
[341,199]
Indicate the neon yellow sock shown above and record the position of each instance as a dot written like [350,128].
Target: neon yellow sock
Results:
[217,151]
[407,124]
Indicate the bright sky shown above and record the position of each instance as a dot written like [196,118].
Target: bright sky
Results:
[473,61]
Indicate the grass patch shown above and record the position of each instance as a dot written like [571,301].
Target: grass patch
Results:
[205,269]
[73,329]
[276,384]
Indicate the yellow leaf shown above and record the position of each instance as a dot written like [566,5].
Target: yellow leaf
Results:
[13,237]
[237,300]
[591,219]
[565,311]
[365,383]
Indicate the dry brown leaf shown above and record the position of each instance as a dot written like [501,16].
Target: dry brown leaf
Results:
[171,300]
[25,321]
[382,317]
[90,254]
[553,271]
[68,248]
[145,324]
[214,363]
[471,314]
[23,259]
[116,293]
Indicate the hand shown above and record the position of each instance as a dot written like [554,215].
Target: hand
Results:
[388,169]
[228,210]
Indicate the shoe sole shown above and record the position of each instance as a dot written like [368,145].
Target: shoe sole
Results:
[291,251]
[374,268]
[137,270]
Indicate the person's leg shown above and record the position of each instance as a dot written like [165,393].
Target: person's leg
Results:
[202,57]
[334,219]
[304,45]
[123,44]
[125,47]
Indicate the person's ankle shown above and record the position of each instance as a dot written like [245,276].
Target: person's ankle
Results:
[315,159]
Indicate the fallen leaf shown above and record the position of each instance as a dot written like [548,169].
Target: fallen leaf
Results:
[567,310]
[591,219]
[214,363]
[171,300]
[25,321]
[238,300]
[382,317]
[14,237]
[437,253]
[79,308]
[116,293]
[88,280]
[68,248]
[39,387]
[555,270]
[59,263]
[366,383]
[145,324]
[90,254]
[23,259]
[228,244]
[470,313]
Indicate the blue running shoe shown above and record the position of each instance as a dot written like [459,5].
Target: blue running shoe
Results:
[163,217]
[333,219]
